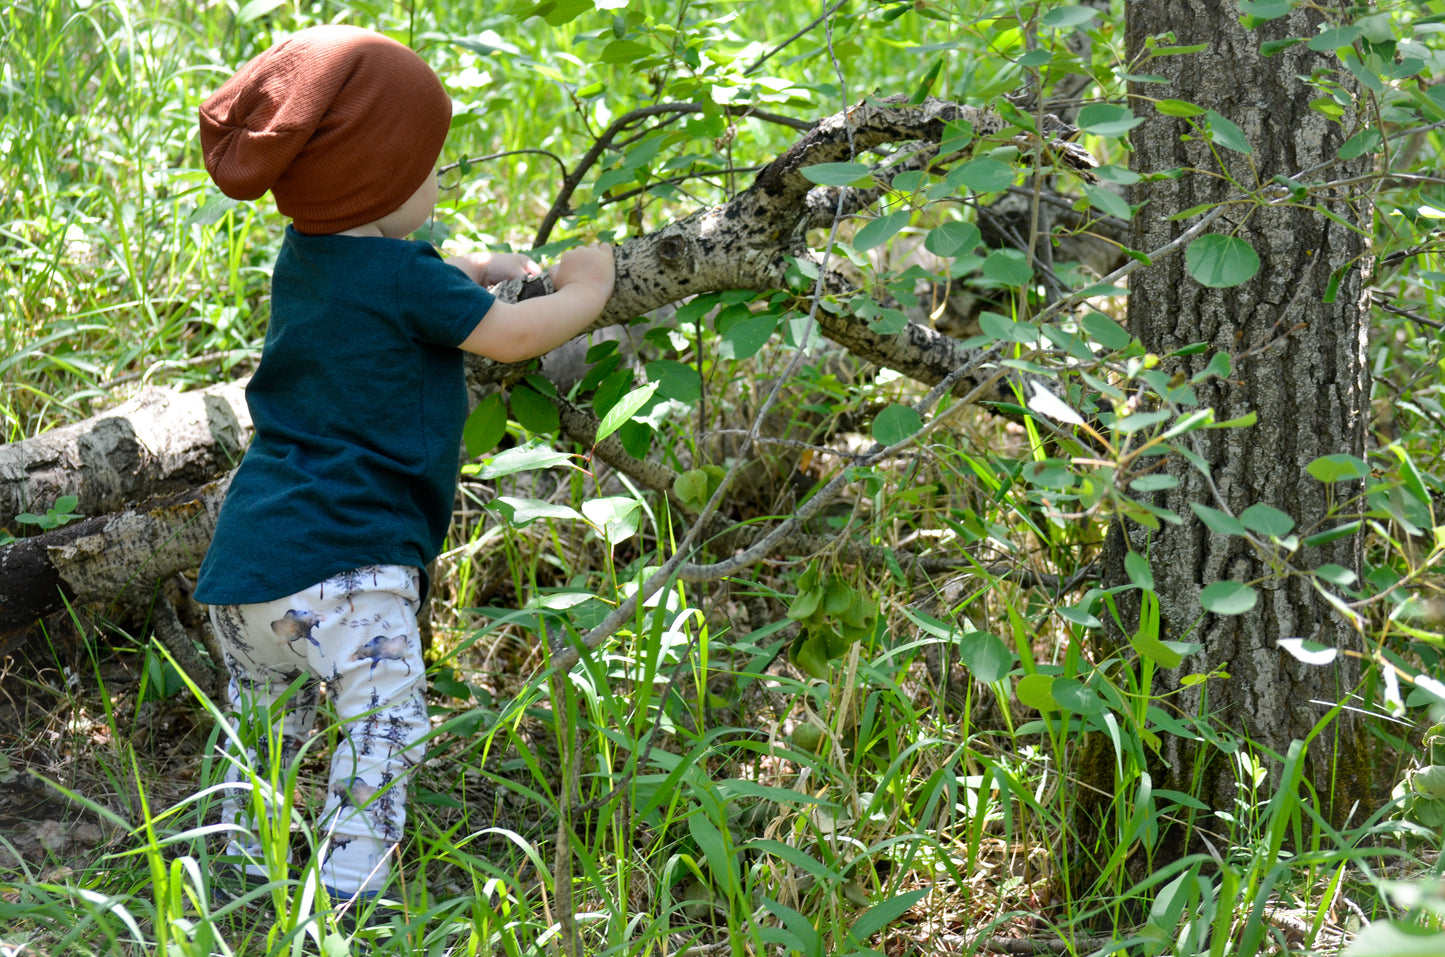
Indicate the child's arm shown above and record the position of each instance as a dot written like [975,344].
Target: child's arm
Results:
[514,331]
[488,269]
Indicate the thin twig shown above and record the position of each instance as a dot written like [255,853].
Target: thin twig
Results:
[604,141]
[756,64]
[1029,945]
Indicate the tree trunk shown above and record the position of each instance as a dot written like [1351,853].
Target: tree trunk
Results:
[1300,365]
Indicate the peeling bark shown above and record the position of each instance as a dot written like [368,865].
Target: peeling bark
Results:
[158,443]
[110,558]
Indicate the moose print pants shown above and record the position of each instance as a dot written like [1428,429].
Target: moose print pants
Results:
[357,633]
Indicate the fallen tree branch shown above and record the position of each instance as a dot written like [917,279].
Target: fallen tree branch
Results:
[158,443]
[106,559]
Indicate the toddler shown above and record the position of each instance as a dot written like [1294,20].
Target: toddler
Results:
[317,567]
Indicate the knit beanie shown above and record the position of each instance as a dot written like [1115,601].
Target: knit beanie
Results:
[341,124]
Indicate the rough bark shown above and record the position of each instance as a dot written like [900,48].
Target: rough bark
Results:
[110,558]
[1304,375]
[159,441]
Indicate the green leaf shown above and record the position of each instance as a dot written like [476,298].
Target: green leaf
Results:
[1180,50]
[878,231]
[1105,331]
[1108,201]
[1073,695]
[1155,650]
[1008,267]
[1333,38]
[1130,424]
[256,9]
[1107,119]
[1265,9]
[1079,614]
[1220,365]
[1067,17]
[521,512]
[743,339]
[625,408]
[1270,47]
[1221,261]
[211,211]
[1221,523]
[1004,329]
[624,51]
[1228,598]
[811,655]
[525,458]
[485,426]
[838,174]
[1387,938]
[896,423]
[882,914]
[1036,691]
[1336,574]
[675,380]
[616,516]
[1146,484]
[953,238]
[1332,534]
[982,175]
[1266,520]
[1178,108]
[695,486]
[1338,468]
[533,410]
[985,656]
[1136,566]
[1227,133]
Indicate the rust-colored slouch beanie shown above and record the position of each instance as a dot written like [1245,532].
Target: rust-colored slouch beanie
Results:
[341,124]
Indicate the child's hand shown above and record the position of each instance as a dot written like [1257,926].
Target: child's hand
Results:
[593,264]
[488,269]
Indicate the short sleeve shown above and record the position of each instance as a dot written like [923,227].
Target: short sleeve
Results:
[441,302]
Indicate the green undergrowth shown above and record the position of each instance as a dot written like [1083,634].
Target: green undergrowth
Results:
[851,753]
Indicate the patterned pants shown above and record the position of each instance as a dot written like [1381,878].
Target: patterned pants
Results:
[357,632]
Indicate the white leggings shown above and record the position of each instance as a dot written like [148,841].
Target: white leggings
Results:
[356,632]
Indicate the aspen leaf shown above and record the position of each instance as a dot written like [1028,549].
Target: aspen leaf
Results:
[1107,119]
[1310,652]
[1036,691]
[1338,468]
[896,423]
[952,239]
[1073,695]
[1050,406]
[1136,566]
[1221,261]
[1227,133]
[1266,520]
[878,231]
[985,656]
[625,408]
[1228,598]
[485,426]
[837,174]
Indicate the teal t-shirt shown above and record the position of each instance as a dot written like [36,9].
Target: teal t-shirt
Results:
[358,405]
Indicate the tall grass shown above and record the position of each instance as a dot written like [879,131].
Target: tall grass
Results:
[683,788]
